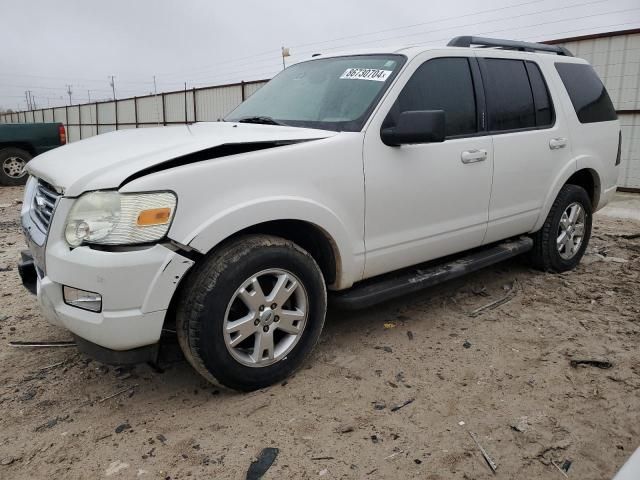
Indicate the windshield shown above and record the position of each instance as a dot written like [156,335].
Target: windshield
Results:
[332,94]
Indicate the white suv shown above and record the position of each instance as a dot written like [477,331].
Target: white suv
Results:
[345,174]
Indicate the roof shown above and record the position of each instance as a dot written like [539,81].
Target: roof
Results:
[409,51]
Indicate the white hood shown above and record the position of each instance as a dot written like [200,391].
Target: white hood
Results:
[105,161]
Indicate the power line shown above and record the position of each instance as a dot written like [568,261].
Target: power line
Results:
[367,42]
[455,17]
[271,70]
[201,75]
[75,79]
[271,52]
[495,31]
[226,75]
[590,29]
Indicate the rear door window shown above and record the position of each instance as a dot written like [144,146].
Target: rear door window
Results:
[587,93]
[510,103]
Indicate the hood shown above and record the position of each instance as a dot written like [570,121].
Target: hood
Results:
[106,160]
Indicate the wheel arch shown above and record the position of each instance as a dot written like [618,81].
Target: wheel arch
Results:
[310,237]
[586,177]
[27,147]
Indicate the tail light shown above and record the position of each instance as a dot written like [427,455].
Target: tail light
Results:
[619,147]
[62,134]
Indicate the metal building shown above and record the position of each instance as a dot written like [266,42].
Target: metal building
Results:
[616,58]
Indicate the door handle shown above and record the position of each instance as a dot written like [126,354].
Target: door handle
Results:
[557,143]
[473,156]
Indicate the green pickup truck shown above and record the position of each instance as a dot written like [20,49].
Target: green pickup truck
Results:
[20,142]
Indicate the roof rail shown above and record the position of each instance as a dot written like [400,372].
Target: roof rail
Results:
[468,41]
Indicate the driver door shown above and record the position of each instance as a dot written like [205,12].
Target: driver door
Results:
[425,201]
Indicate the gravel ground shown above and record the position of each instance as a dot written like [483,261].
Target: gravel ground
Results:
[504,375]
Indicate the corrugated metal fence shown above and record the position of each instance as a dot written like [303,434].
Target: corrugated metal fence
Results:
[184,106]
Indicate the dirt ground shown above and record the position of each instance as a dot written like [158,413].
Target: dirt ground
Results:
[505,373]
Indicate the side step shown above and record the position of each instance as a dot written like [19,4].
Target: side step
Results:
[380,289]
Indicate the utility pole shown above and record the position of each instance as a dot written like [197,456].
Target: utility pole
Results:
[69,92]
[26,96]
[112,82]
[285,53]
[89,95]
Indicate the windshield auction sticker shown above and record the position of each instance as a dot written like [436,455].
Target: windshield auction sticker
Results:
[366,74]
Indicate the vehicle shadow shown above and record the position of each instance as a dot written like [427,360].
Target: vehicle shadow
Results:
[350,326]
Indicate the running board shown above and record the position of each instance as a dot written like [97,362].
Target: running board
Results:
[375,290]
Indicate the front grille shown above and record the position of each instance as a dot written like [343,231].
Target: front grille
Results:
[44,202]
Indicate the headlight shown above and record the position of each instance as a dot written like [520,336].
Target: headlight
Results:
[112,218]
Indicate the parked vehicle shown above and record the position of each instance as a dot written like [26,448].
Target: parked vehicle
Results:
[19,143]
[336,181]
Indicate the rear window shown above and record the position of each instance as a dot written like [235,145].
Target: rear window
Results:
[587,93]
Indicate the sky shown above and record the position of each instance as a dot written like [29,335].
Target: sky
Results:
[48,45]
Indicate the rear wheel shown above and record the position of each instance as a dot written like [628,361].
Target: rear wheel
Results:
[561,242]
[12,166]
[252,312]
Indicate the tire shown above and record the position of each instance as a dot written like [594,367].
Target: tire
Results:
[551,251]
[213,299]
[11,159]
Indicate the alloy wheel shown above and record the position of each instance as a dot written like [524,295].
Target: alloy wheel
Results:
[265,318]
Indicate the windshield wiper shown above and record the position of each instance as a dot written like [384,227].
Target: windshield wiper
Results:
[260,119]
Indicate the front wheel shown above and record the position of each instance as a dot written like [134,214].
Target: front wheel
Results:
[561,242]
[252,312]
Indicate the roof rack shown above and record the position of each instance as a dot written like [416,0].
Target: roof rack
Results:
[468,41]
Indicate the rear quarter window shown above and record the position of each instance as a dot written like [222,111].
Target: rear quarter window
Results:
[587,93]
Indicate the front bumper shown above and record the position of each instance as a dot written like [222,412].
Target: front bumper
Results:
[27,271]
[136,286]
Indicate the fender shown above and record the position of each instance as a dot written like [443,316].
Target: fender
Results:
[228,222]
[596,168]
[579,163]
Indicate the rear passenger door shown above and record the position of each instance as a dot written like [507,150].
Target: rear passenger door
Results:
[530,142]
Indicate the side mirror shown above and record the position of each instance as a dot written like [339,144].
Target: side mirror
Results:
[417,126]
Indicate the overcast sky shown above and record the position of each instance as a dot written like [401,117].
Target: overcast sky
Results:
[49,44]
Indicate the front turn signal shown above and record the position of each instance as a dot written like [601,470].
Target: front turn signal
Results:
[154,216]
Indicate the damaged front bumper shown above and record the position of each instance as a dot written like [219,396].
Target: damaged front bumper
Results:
[27,271]
[136,286]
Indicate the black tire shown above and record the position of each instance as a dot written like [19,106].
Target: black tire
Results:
[206,295]
[545,254]
[7,162]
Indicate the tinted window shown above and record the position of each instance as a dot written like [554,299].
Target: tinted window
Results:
[588,95]
[442,84]
[541,98]
[509,97]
